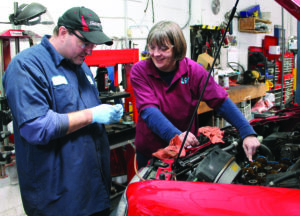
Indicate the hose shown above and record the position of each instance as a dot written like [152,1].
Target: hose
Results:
[135,169]
[231,146]
[290,175]
[266,151]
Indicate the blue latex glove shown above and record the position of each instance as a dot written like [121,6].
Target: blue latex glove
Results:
[107,114]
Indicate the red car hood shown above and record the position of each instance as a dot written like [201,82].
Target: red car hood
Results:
[194,198]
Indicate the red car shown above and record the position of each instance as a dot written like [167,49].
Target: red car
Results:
[217,179]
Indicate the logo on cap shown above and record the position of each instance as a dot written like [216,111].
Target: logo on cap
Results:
[95,23]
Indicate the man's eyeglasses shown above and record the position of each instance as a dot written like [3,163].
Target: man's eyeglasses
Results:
[86,43]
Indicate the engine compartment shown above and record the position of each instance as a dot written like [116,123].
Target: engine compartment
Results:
[275,164]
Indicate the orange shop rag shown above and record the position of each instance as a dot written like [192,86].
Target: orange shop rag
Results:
[214,134]
[170,151]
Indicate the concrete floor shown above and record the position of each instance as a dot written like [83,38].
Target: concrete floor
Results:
[10,198]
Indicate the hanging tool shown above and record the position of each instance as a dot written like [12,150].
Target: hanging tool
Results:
[206,40]
[225,40]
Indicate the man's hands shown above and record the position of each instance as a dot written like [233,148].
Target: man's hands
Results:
[190,141]
[107,114]
[250,144]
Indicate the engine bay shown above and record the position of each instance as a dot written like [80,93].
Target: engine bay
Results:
[275,164]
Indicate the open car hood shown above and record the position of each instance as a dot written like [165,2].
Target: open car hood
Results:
[218,179]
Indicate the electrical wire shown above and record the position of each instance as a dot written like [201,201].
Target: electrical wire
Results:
[152,5]
[146,6]
[189,18]
[153,17]
[239,66]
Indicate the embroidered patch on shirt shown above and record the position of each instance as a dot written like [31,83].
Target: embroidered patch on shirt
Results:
[90,79]
[184,80]
[59,80]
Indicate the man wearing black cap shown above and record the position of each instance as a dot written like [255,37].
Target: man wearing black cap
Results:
[62,150]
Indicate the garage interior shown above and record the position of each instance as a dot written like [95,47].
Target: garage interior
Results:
[257,65]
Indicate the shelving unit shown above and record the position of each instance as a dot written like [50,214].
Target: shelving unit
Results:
[238,94]
[249,25]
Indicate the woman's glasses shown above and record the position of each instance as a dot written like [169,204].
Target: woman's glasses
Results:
[160,49]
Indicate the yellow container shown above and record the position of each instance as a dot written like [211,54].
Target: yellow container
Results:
[269,85]
[295,78]
[144,55]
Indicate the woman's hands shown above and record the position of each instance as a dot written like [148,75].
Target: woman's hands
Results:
[250,144]
[190,141]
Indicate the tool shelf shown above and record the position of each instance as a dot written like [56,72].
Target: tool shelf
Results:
[250,25]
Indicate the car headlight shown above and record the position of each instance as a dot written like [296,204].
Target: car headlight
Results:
[122,208]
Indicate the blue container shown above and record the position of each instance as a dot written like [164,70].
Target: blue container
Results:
[249,12]
[278,33]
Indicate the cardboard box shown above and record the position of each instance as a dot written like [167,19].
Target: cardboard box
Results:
[206,60]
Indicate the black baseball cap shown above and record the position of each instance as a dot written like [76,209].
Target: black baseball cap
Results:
[86,22]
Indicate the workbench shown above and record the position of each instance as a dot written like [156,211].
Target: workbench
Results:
[238,94]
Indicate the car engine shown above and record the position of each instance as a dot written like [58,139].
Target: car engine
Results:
[275,164]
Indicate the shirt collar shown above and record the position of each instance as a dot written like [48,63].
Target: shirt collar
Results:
[57,58]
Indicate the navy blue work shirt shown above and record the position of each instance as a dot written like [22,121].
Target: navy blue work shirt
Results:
[70,175]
